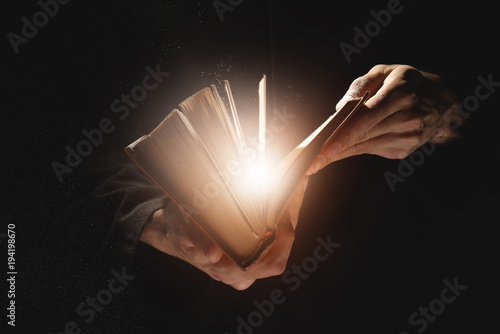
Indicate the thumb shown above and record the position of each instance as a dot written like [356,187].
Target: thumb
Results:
[324,157]
[295,202]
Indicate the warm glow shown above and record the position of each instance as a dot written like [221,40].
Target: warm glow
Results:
[260,173]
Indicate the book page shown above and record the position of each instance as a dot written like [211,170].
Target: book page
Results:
[210,119]
[195,157]
[290,171]
[174,157]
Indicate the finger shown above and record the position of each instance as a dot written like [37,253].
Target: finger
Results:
[243,285]
[379,81]
[214,253]
[423,118]
[398,92]
[371,81]
[364,119]
[273,263]
[399,87]
[393,96]
[197,248]
[404,121]
[193,253]
[398,135]
[204,256]
[226,271]
[391,146]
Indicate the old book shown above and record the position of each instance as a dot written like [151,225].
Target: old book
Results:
[198,156]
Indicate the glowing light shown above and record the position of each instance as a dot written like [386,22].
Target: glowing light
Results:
[260,173]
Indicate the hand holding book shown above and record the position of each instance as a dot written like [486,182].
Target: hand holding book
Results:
[407,108]
[167,232]
[198,156]
[253,228]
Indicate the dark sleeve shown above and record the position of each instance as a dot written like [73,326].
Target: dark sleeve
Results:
[131,195]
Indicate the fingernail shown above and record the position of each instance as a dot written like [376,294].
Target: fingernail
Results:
[316,165]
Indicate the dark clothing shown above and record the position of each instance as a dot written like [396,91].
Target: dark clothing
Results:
[136,198]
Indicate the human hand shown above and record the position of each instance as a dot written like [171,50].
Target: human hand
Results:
[407,108]
[169,232]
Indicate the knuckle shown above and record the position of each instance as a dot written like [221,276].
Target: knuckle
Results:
[205,261]
[412,142]
[414,122]
[243,285]
[197,257]
[369,77]
[378,68]
[398,153]
[406,144]
[276,268]
[401,154]
[359,81]
[407,91]
[412,76]
[409,73]
[361,148]
[231,278]
[363,136]
[409,98]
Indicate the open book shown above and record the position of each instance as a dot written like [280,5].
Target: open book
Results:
[197,155]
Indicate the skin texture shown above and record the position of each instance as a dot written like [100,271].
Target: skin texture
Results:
[407,108]
[168,232]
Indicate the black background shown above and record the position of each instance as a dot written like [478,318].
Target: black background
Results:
[396,247]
